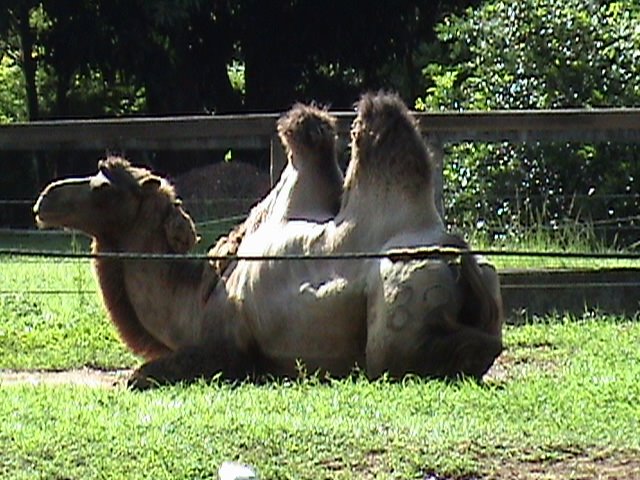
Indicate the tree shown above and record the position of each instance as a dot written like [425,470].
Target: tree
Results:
[16,24]
[175,55]
[331,51]
[538,54]
[91,58]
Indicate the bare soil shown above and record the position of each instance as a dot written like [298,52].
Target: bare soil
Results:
[573,466]
[88,377]
[223,180]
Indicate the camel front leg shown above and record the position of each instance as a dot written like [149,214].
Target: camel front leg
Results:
[189,364]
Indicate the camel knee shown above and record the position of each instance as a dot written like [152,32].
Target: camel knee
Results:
[465,352]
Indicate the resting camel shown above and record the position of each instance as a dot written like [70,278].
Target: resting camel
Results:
[436,317]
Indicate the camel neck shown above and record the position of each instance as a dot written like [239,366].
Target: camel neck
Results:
[110,275]
[378,217]
[154,303]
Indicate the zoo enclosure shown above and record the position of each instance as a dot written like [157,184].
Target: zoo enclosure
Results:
[257,132]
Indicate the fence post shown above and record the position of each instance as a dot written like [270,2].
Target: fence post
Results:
[437,157]
[278,158]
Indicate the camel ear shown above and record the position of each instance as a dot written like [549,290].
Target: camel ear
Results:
[151,184]
[180,230]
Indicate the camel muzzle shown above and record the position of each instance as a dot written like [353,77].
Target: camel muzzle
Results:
[58,202]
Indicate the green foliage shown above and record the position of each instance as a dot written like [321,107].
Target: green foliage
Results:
[12,104]
[235,71]
[535,54]
[539,54]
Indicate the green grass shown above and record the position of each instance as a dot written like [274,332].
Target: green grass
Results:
[577,238]
[565,390]
[569,239]
[64,241]
[57,329]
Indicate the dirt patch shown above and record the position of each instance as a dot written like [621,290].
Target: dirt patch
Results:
[508,366]
[222,190]
[522,361]
[576,466]
[86,377]
[223,180]
[557,465]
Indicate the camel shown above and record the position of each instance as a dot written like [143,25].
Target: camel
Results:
[438,316]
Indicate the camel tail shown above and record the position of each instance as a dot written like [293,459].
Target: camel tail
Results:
[482,306]
[309,127]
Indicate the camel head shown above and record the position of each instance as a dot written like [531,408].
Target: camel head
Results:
[114,202]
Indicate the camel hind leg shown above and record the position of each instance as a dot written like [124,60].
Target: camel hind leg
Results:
[413,324]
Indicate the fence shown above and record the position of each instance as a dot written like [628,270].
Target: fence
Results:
[257,132]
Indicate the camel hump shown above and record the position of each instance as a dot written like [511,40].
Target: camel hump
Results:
[308,127]
[388,144]
[382,111]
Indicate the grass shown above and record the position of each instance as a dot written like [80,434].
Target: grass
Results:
[569,239]
[564,400]
[572,238]
[58,330]
[564,391]
[64,241]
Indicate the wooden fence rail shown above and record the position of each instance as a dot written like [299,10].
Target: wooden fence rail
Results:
[256,131]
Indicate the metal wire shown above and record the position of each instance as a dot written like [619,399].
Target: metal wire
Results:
[16,202]
[395,255]
[219,221]
[400,254]
[47,292]
[503,286]
[559,286]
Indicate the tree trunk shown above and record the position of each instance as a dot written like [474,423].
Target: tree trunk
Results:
[29,64]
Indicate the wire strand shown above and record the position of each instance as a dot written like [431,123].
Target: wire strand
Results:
[503,286]
[400,254]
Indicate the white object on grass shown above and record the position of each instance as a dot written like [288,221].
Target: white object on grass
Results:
[236,471]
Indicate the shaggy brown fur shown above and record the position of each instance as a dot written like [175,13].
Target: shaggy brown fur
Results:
[388,145]
[116,300]
[311,130]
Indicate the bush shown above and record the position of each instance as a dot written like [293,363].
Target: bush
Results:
[13,107]
[537,54]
